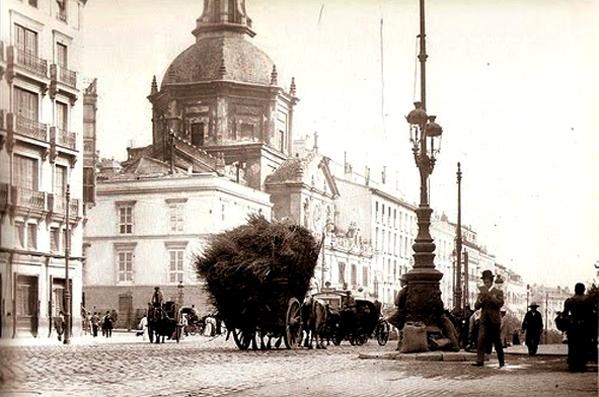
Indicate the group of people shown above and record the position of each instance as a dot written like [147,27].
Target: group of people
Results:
[486,327]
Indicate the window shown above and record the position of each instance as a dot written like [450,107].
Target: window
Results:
[354,275]
[54,239]
[125,266]
[376,211]
[383,214]
[20,234]
[60,180]
[365,276]
[26,104]
[176,217]
[89,183]
[61,55]
[175,273]
[197,134]
[25,172]
[26,41]
[126,219]
[62,116]
[246,131]
[31,236]
[341,266]
[281,141]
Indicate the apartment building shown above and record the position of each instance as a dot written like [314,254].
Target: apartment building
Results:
[40,156]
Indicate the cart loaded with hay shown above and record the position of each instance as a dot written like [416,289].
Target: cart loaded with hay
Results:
[257,276]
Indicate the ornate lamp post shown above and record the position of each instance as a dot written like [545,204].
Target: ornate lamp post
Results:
[67,284]
[180,293]
[424,296]
[458,248]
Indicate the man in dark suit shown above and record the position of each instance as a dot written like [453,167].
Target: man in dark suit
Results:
[490,301]
[533,325]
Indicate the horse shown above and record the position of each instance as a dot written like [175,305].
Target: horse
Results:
[160,324]
[314,314]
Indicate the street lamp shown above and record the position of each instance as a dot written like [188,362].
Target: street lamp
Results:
[67,286]
[180,293]
[328,226]
[424,295]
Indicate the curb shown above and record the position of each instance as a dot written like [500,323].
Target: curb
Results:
[427,356]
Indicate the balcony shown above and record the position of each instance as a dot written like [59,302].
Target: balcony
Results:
[31,128]
[57,207]
[67,77]
[28,200]
[30,62]
[63,138]
[3,196]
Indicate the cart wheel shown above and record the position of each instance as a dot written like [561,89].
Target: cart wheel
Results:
[243,338]
[293,325]
[361,339]
[337,338]
[192,329]
[382,332]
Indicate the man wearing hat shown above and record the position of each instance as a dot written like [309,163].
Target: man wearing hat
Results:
[533,326]
[157,297]
[398,318]
[489,300]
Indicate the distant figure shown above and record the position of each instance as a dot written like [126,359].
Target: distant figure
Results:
[143,327]
[533,326]
[107,325]
[505,334]
[580,312]
[95,321]
[157,297]
[59,324]
[490,300]
[398,317]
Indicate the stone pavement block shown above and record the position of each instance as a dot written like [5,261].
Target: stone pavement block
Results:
[429,356]
[459,356]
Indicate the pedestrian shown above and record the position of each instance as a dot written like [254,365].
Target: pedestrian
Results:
[95,320]
[579,311]
[490,300]
[59,324]
[107,325]
[533,326]
[504,330]
[398,317]
[143,326]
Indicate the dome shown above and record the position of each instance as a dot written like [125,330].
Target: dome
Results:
[203,61]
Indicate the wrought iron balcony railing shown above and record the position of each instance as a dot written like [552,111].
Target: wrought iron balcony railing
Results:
[57,205]
[3,195]
[32,128]
[66,139]
[31,199]
[31,62]
[67,76]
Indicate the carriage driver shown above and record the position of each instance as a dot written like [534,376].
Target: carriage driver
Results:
[157,297]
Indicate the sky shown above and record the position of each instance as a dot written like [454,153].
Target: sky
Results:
[514,84]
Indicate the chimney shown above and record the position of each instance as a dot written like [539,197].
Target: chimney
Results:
[384,174]
[367,177]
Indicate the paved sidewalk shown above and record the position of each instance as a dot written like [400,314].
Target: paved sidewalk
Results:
[544,350]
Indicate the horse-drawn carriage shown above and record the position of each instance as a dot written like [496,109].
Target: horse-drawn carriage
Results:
[353,319]
[164,322]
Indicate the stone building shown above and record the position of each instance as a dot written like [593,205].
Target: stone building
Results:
[40,155]
[146,227]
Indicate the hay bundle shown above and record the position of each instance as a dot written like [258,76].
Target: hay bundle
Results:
[252,271]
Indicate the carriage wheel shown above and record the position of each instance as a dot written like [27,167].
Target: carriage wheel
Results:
[243,338]
[192,329]
[337,337]
[382,332]
[293,325]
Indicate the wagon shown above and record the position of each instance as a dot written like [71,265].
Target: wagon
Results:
[354,319]
[283,324]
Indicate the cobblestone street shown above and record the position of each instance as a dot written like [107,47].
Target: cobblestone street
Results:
[201,366]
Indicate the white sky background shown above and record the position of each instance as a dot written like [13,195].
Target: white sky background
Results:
[514,84]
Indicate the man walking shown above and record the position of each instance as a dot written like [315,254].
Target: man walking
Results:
[578,309]
[490,300]
[533,326]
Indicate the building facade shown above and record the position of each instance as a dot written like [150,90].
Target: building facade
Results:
[146,229]
[40,155]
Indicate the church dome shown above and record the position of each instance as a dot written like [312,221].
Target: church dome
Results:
[226,56]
